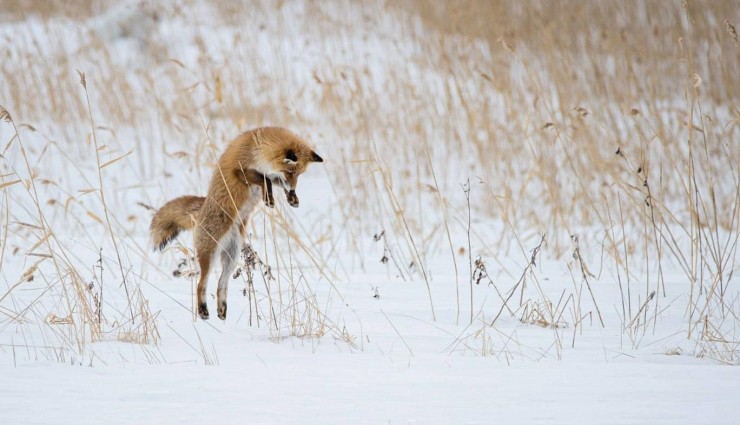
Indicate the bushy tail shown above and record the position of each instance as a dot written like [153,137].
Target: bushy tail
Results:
[174,216]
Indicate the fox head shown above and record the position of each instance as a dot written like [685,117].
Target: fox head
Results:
[293,163]
[282,156]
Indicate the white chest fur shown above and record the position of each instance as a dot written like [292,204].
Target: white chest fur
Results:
[231,240]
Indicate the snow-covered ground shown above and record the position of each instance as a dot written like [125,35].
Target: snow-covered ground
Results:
[362,308]
[268,384]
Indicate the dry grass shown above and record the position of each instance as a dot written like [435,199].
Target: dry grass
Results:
[616,123]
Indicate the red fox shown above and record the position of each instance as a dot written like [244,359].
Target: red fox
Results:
[253,162]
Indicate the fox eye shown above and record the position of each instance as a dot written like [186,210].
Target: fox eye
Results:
[290,157]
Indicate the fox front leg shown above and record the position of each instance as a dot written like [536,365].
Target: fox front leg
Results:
[292,198]
[257,178]
[267,194]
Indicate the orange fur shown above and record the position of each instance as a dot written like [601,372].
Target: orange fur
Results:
[253,162]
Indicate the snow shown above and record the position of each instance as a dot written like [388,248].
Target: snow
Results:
[330,334]
[277,386]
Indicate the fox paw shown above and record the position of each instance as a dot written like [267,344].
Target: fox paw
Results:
[203,311]
[222,311]
[292,199]
[270,202]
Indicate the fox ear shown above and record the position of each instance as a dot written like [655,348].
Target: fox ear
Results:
[290,157]
[315,157]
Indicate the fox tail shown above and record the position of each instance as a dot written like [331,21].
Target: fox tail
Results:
[174,216]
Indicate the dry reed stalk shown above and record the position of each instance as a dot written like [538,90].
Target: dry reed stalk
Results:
[101,191]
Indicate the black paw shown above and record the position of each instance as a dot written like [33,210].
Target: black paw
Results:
[270,202]
[203,311]
[292,199]
[222,311]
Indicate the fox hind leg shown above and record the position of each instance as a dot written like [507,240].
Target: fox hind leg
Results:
[228,260]
[204,262]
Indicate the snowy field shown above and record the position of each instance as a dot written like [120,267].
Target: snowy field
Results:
[529,212]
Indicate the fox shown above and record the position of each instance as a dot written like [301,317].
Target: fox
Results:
[244,175]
